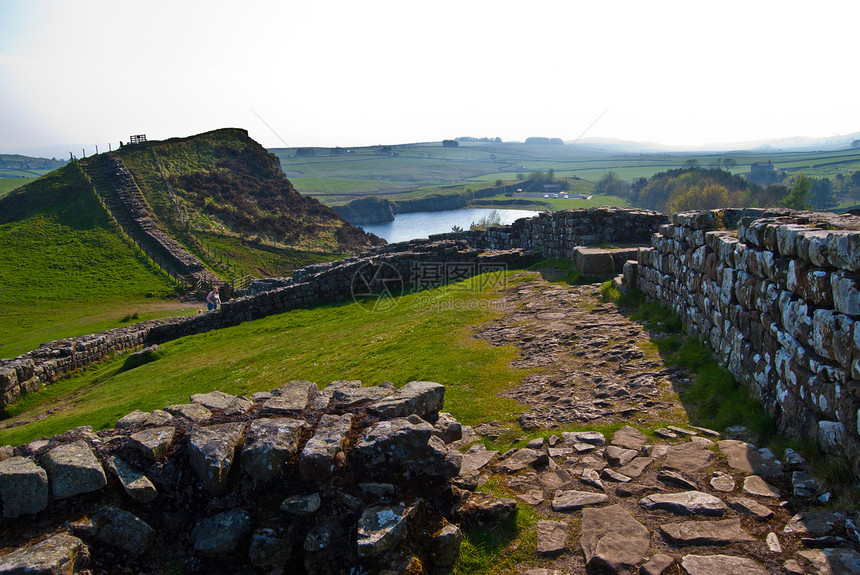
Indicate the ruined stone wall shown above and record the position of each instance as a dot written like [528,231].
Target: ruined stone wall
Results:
[556,234]
[296,480]
[778,303]
[390,267]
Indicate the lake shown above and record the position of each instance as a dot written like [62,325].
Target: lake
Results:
[422,224]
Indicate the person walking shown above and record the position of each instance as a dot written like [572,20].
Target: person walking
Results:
[213,300]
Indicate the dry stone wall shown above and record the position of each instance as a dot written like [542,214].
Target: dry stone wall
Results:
[297,480]
[554,234]
[777,300]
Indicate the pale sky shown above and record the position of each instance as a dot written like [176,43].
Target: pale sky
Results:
[352,73]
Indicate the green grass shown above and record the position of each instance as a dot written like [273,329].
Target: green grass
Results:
[65,270]
[426,336]
[9,184]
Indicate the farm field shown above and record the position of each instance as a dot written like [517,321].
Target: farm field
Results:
[9,184]
[414,170]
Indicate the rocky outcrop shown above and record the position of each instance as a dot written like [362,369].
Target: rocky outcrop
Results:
[366,487]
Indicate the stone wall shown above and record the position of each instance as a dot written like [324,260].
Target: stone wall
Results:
[550,235]
[296,480]
[556,234]
[778,302]
[309,286]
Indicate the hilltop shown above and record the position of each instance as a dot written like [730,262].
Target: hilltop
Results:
[94,241]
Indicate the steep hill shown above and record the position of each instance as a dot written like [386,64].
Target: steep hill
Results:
[218,202]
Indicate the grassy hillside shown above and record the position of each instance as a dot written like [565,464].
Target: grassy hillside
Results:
[412,170]
[9,184]
[66,270]
[226,200]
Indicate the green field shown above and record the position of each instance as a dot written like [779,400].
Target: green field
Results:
[9,184]
[65,270]
[421,338]
[413,170]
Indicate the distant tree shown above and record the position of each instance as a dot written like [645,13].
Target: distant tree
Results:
[692,163]
[491,219]
[305,152]
[698,197]
[499,183]
[729,163]
[521,176]
[798,196]
[450,143]
[612,185]
[822,194]
[855,144]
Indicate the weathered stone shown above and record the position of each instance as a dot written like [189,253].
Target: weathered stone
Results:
[290,399]
[629,438]
[572,500]
[619,456]
[676,479]
[721,565]
[685,503]
[553,479]
[612,475]
[590,437]
[158,418]
[445,546]
[636,466]
[153,442]
[302,505]
[522,459]
[382,528]
[272,547]
[323,453]
[23,487]
[229,404]
[592,477]
[135,418]
[211,451]
[532,497]
[612,540]
[114,526]
[422,398]
[61,554]
[135,483]
[815,523]
[840,561]
[477,457]
[723,532]
[804,485]
[347,397]
[772,542]
[405,446]
[830,434]
[222,534]
[750,507]
[657,564]
[487,510]
[191,411]
[691,458]
[846,293]
[73,469]
[633,489]
[269,444]
[746,458]
[551,537]
[755,485]
[447,428]
[722,482]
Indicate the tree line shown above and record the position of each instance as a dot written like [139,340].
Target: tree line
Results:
[697,188]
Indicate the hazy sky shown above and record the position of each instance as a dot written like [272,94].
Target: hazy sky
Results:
[348,73]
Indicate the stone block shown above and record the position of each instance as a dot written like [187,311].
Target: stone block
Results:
[843,250]
[73,469]
[846,293]
[23,487]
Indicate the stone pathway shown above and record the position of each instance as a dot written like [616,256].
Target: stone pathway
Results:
[590,361]
[691,502]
